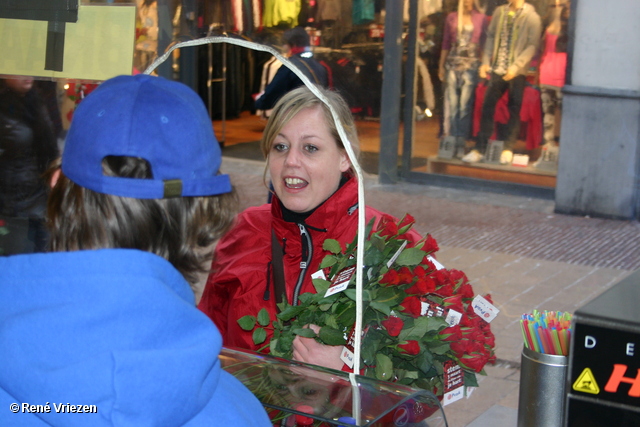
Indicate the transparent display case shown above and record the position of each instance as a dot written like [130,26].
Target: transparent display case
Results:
[299,394]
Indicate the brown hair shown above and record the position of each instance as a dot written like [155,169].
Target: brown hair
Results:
[301,98]
[181,230]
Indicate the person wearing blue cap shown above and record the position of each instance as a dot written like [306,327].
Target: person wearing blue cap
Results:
[104,329]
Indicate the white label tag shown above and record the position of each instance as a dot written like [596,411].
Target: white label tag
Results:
[435,262]
[453,317]
[341,281]
[397,254]
[453,382]
[484,308]
[453,396]
[319,275]
[347,357]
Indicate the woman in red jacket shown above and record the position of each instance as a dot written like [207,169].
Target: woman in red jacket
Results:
[316,198]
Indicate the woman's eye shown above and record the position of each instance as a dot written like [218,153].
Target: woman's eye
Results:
[311,148]
[279,147]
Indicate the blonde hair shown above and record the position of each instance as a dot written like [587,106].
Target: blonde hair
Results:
[302,98]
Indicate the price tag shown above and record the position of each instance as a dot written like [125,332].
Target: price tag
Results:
[484,308]
[341,281]
[453,382]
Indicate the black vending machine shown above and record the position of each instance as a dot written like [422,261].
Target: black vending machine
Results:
[604,365]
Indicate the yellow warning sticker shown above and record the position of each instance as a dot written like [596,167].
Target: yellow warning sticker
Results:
[586,382]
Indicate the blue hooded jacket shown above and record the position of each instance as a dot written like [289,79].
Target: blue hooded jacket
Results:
[114,328]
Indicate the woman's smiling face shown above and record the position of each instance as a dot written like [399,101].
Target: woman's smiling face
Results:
[305,162]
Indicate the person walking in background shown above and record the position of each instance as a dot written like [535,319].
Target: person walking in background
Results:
[297,49]
[27,146]
[513,38]
[464,34]
[275,248]
[107,320]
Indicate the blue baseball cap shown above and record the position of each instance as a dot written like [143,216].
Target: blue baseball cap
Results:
[159,120]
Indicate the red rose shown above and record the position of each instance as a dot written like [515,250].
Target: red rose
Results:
[2,222]
[406,220]
[466,291]
[390,278]
[405,275]
[411,347]
[445,291]
[489,339]
[393,325]
[423,286]
[451,333]
[430,266]
[475,361]
[454,302]
[430,245]
[419,271]
[460,348]
[412,306]
[387,226]
[441,277]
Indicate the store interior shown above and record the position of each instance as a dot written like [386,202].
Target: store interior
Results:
[353,53]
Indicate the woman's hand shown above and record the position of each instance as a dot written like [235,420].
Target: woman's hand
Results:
[308,350]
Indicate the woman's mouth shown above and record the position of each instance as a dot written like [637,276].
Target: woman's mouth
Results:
[295,183]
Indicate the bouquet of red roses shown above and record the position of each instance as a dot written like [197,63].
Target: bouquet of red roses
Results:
[422,324]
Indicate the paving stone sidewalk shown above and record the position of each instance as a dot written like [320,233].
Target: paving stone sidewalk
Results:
[514,248]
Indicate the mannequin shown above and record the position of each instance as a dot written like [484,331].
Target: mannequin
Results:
[552,77]
[463,38]
[513,37]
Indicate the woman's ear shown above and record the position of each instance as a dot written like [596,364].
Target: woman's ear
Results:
[54,177]
[345,163]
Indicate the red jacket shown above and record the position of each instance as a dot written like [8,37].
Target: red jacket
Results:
[237,287]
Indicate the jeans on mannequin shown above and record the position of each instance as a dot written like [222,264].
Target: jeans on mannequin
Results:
[460,90]
[496,88]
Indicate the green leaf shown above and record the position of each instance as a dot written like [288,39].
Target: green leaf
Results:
[325,307]
[384,367]
[411,374]
[331,322]
[381,307]
[351,293]
[332,246]
[290,312]
[321,286]
[470,379]
[390,296]
[328,261]
[304,332]
[259,336]
[410,256]
[440,347]
[332,336]
[373,257]
[247,323]
[377,242]
[416,331]
[263,317]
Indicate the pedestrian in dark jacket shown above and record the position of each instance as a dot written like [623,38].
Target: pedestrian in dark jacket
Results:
[316,198]
[106,325]
[296,46]
[27,146]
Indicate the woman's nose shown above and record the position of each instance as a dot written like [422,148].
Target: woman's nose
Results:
[293,158]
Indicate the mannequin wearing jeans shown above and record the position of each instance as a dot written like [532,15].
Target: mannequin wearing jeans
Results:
[463,37]
[512,41]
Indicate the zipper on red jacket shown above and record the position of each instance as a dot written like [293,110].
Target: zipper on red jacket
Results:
[305,260]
